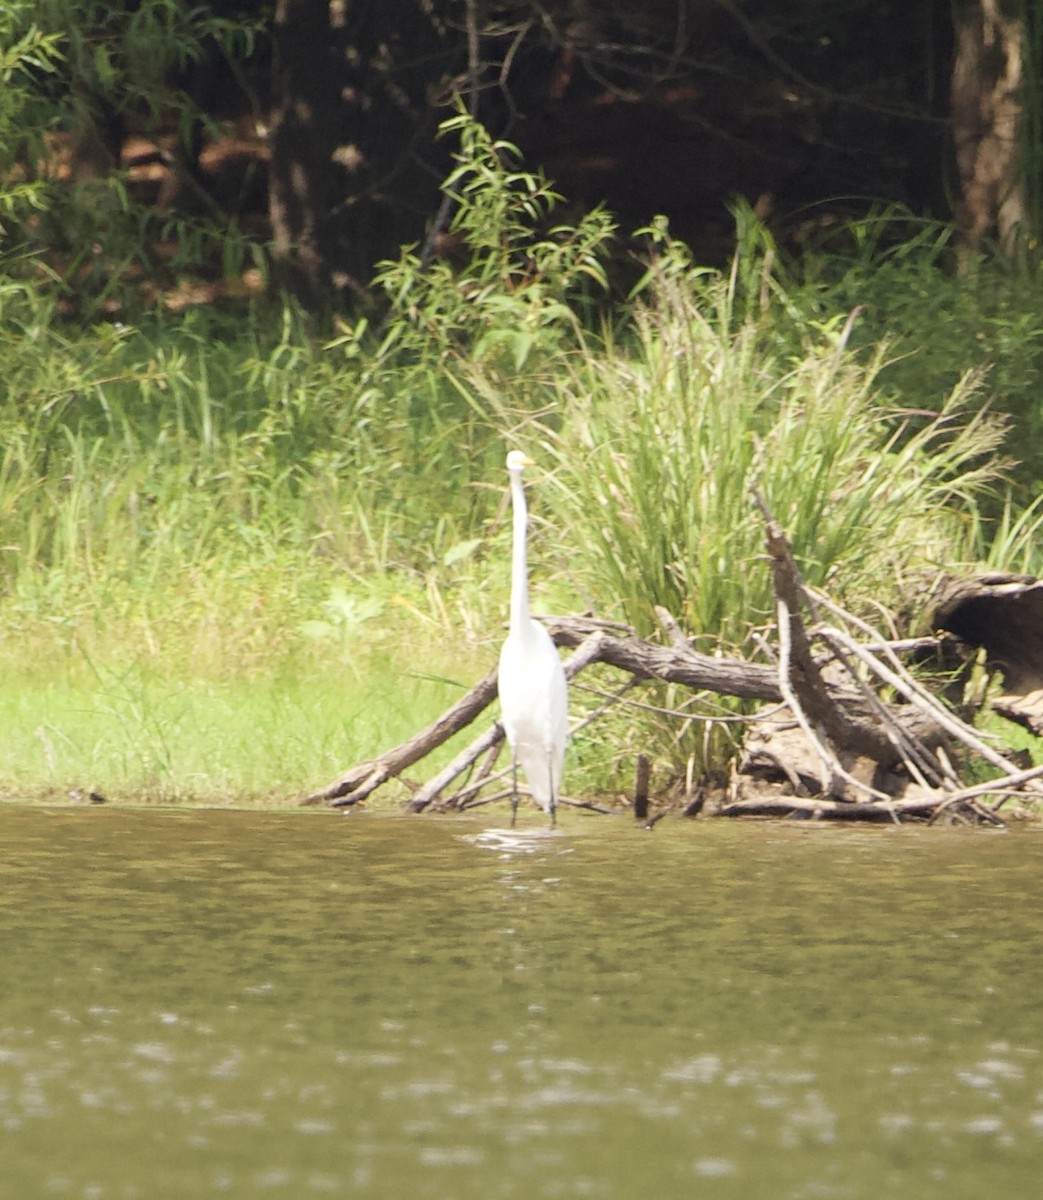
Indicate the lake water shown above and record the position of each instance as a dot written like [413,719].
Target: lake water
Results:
[218,1004]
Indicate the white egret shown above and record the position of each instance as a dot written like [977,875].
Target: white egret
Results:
[531,679]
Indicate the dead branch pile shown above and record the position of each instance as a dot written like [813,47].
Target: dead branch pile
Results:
[850,732]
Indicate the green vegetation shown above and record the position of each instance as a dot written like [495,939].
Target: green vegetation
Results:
[235,558]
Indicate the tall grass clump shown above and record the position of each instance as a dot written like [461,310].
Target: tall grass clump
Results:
[697,406]
[669,439]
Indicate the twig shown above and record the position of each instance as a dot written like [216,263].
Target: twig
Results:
[917,758]
[912,751]
[922,700]
[1010,785]
[888,648]
[822,806]
[506,794]
[801,682]
[588,805]
[488,740]
[832,768]
[670,627]
[837,720]
[680,713]
[482,801]
[609,700]
[954,803]
[480,778]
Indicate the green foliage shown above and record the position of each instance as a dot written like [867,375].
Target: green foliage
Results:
[511,298]
[74,76]
[469,340]
[127,57]
[670,452]
[717,392]
[941,316]
[26,54]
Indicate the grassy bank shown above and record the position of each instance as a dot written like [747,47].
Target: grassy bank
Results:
[143,733]
[235,558]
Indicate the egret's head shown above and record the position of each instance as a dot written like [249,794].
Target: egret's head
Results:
[517,461]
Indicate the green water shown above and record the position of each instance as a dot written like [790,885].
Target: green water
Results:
[291,1005]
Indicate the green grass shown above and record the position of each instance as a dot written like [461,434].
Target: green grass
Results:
[197,706]
[137,735]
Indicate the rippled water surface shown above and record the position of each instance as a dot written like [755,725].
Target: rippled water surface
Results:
[204,1004]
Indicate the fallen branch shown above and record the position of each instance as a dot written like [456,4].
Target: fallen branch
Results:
[642,660]
[490,739]
[488,742]
[825,808]
[646,660]
[361,781]
[831,767]
[886,741]
[1005,786]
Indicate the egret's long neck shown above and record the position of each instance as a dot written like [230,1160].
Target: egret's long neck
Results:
[519,562]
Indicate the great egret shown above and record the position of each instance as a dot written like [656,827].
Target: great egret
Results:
[531,679]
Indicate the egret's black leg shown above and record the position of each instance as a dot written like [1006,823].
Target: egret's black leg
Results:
[514,789]
[553,798]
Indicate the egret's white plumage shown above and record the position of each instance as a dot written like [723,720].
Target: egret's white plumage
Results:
[533,691]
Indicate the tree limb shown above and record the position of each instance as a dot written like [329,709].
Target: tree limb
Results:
[361,781]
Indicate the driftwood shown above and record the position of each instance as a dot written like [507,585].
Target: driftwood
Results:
[861,776]
[1002,614]
[642,659]
[361,781]
[829,746]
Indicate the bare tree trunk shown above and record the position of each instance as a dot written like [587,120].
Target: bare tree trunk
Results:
[986,102]
[307,81]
